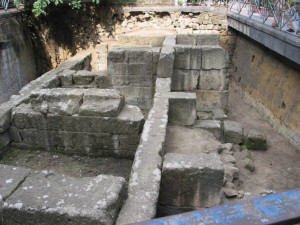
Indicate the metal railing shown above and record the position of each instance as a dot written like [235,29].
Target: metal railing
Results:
[278,12]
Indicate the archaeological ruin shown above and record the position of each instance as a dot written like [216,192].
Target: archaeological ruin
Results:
[180,108]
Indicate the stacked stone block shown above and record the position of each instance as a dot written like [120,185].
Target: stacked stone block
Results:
[77,121]
[133,72]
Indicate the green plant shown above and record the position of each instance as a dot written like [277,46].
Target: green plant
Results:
[179,2]
[40,6]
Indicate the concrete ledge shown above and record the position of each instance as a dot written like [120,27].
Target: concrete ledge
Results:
[276,40]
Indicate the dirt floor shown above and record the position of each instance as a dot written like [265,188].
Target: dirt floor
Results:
[276,169]
[74,166]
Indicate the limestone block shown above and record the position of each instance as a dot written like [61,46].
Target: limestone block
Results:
[166,58]
[213,80]
[10,178]
[218,114]
[117,55]
[57,100]
[66,77]
[5,115]
[210,100]
[14,134]
[39,138]
[24,116]
[256,140]
[133,80]
[185,80]
[230,172]
[101,103]
[163,85]
[201,115]
[214,126]
[202,39]
[83,77]
[140,69]
[214,57]
[142,55]
[233,132]
[191,180]
[187,57]
[58,199]
[102,80]
[52,83]
[155,60]
[182,109]
[185,39]
[4,140]
[117,68]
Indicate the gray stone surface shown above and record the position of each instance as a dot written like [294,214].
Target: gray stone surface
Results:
[214,80]
[166,58]
[188,57]
[66,77]
[163,85]
[214,57]
[214,126]
[4,141]
[191,180]
[233,132]
[185,80]
[210,100]
[48,198]
[256,140]
[203,39]
[230,172]
[218,114]
[10,178]
[182,108]
[202,115]
[5,114]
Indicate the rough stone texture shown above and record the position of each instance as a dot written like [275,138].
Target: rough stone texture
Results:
[219,114]
[204,39]
[214,57]
[214,80]
[204,115]
[4,141]
[5,114]
[132,71]
[214,126]
[145,176]
[188,57]
[191,180]
[48,198]
[182,108]
[230,172]
[166,59]
[185,80]
[233,132]
[210,100]
[256,140]
[66,77]
[10,178]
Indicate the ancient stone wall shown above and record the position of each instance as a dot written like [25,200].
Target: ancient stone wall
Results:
[17,63]
[271,83]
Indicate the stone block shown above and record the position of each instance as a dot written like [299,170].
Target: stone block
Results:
[187,57]
[214,57]
[10,178]
[5,115]
[185,80]
[166,58]
[39,138]
[214,126]
[133,80]
[117,55]
[163,85]
[117,68]
[58,199]
[83,77]
[155,59]
[218,114]
[141,55]
[135,92]
[185,39]
[14,134]
[140,69]
[233,132]
[4,141]
[256,140]
[182,109]
[102,80]
[57,100]
[201,115]
[52,83]
[66,78]
[210,100]
[101,103]
[213,80]
[191,181]
[203,39]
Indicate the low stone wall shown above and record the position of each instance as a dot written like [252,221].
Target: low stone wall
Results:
[271,83]
[78,62]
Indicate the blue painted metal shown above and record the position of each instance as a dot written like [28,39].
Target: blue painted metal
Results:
[280,208]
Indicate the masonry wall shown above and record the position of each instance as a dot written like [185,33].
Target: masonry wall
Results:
[271,83]
[17,64]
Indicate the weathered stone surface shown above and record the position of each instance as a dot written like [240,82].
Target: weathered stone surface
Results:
[214,57]
[203,39]
[4,140]
[66,77]
[230,192]
[10,178]
[214,126]
[14,134]
[185,80]
[166,58]
[210,100]
[204,115]
[182,109]
[83,77]
[191,180]
[248,164]
[163,85]
[102,80]
[233,132]
[101,103]
[5,114]
[231,172]
[214,80]
[256,140]
[228,158]
[58,199]
[52,83]
[219,114]
[187,57]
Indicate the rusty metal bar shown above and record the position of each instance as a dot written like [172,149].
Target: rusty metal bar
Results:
[280,208]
